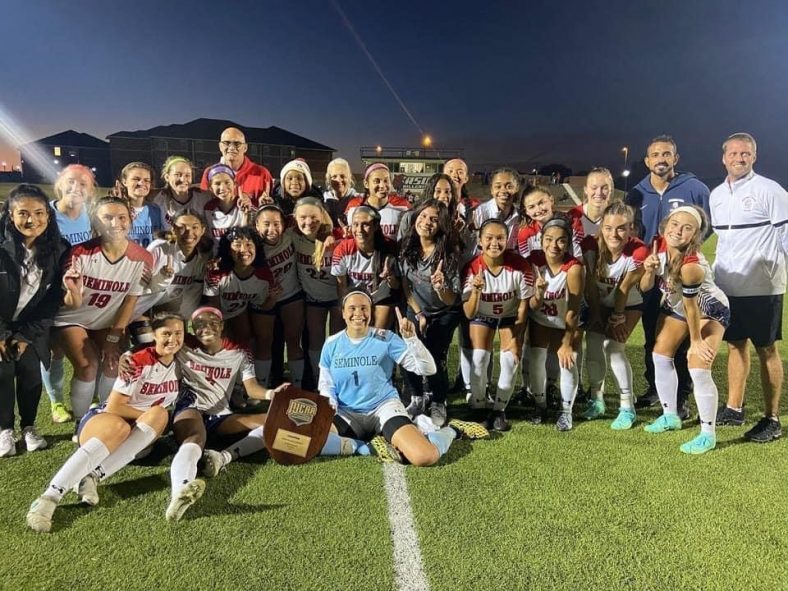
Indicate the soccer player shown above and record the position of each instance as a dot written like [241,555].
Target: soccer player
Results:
[295,181]
[111,435]
[598,190]
[692,305]
[355,375]
[497,286]
[505,184]
[227,209]
[178,194]
[378,196]
[136,180]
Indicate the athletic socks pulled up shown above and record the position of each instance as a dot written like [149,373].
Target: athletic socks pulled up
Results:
[706,396]
[141,436]
[667,382]
[184,466]
[79,465]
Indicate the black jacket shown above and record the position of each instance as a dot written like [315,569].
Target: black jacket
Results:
[34,322]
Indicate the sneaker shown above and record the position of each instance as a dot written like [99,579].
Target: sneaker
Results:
[39,516]
[7,443]
[33,441]
[728,416]
[700,445]
[385,452]
[625,419]
[594,409]
[60,413]
[213,463]
[469,430]
[496,421]
[667,422]
[438,414]
[187,496]
[765,430]
[537,416]
[87,490]
[649,398]
[417,406]
[564,422]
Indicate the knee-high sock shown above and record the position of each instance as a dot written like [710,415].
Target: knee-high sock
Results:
[253,442]
[667,382]
[52,379]
[79,465]
[596,363]
[184,466]
[481,359]
[442,439]
[262,370]
[104,387]
[81,395]
[466,362]
[314,362]
[505,380]
[622,371]
[537,356]
[141,436]
[336,445]
[569,379]
[296,367]
[706,396]
[552,367]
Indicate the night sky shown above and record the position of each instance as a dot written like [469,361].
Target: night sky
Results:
[545,82]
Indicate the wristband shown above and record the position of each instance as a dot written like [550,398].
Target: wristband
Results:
[112,338]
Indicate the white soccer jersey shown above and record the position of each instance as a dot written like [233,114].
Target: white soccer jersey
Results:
[180,292]
[105,284]
[219,222]
[209,379]
[236,293]
[153,383]
[390,214]
[503,291]
[631,259]
[489,210]
[170,207]
[319,284]
[580,219]
[362,271]
[555,301]
[282,262]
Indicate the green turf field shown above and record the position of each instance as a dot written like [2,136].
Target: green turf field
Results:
[533,509]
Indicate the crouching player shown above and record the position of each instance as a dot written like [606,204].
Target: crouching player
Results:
[112,435]
[355,375]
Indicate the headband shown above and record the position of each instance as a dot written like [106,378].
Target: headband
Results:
[690,210]
[218,169]
[373,167]
[370,211]
[558,222]
[310,201]
[489,221]
[208,310]
[356,292]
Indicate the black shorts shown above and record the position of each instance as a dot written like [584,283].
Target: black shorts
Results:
[757,318]
[277,309]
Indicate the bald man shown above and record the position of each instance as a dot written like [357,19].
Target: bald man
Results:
[254,179]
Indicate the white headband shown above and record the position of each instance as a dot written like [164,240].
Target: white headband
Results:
[690,210]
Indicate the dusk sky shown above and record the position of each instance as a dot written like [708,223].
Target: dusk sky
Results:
[523,83]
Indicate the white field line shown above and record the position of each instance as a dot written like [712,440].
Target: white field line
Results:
[408,566]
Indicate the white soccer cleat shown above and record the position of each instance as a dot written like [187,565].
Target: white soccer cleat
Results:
[7,443]
[87,490]
[33,441]
[185,498]
[39,517]
[213,463]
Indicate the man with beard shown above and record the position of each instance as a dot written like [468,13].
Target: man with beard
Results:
[653,198]
[252,179]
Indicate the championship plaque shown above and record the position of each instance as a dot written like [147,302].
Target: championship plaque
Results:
[297,425]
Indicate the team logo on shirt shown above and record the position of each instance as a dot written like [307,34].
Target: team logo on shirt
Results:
[301,411]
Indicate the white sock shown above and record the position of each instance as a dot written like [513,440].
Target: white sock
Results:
[81,396]
[141,436]
[706,396]
[596,362]
[296,371]
[481,359]
[253,442]
[466,363]
[104,386]
[184,466]
[314,362]
[536,360]
[622,371]
[262,370]
[505,380]
[88,456]
[568,386]
[667,382]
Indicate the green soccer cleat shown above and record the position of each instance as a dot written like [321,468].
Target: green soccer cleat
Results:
[594,410]
[60,413]
[187,496]
[625,419]
[700,445]
[667,422]
[469,429]
[385,452]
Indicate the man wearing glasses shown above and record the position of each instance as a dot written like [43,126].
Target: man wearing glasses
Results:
[253,179]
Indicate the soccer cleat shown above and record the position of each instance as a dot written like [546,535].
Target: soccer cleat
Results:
[537,416]
[469,430]
[765,430]
[39,516]
[700,445]
[185,498]
[728,416]
[564,422]
[7,443]
[385,452]
[496,421]
[60,413]
[667,422]
[594,409]
[87,490]
[213,463]
[649,398]
[625,419]
[438,414]
[417,406]
[33,441]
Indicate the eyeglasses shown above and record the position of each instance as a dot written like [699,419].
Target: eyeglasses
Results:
[236,145]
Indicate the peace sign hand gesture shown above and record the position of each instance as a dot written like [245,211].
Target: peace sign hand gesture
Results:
[541,284]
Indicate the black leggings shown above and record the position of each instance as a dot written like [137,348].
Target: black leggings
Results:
[27,374]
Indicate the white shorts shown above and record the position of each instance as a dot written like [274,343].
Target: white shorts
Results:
[384,420]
